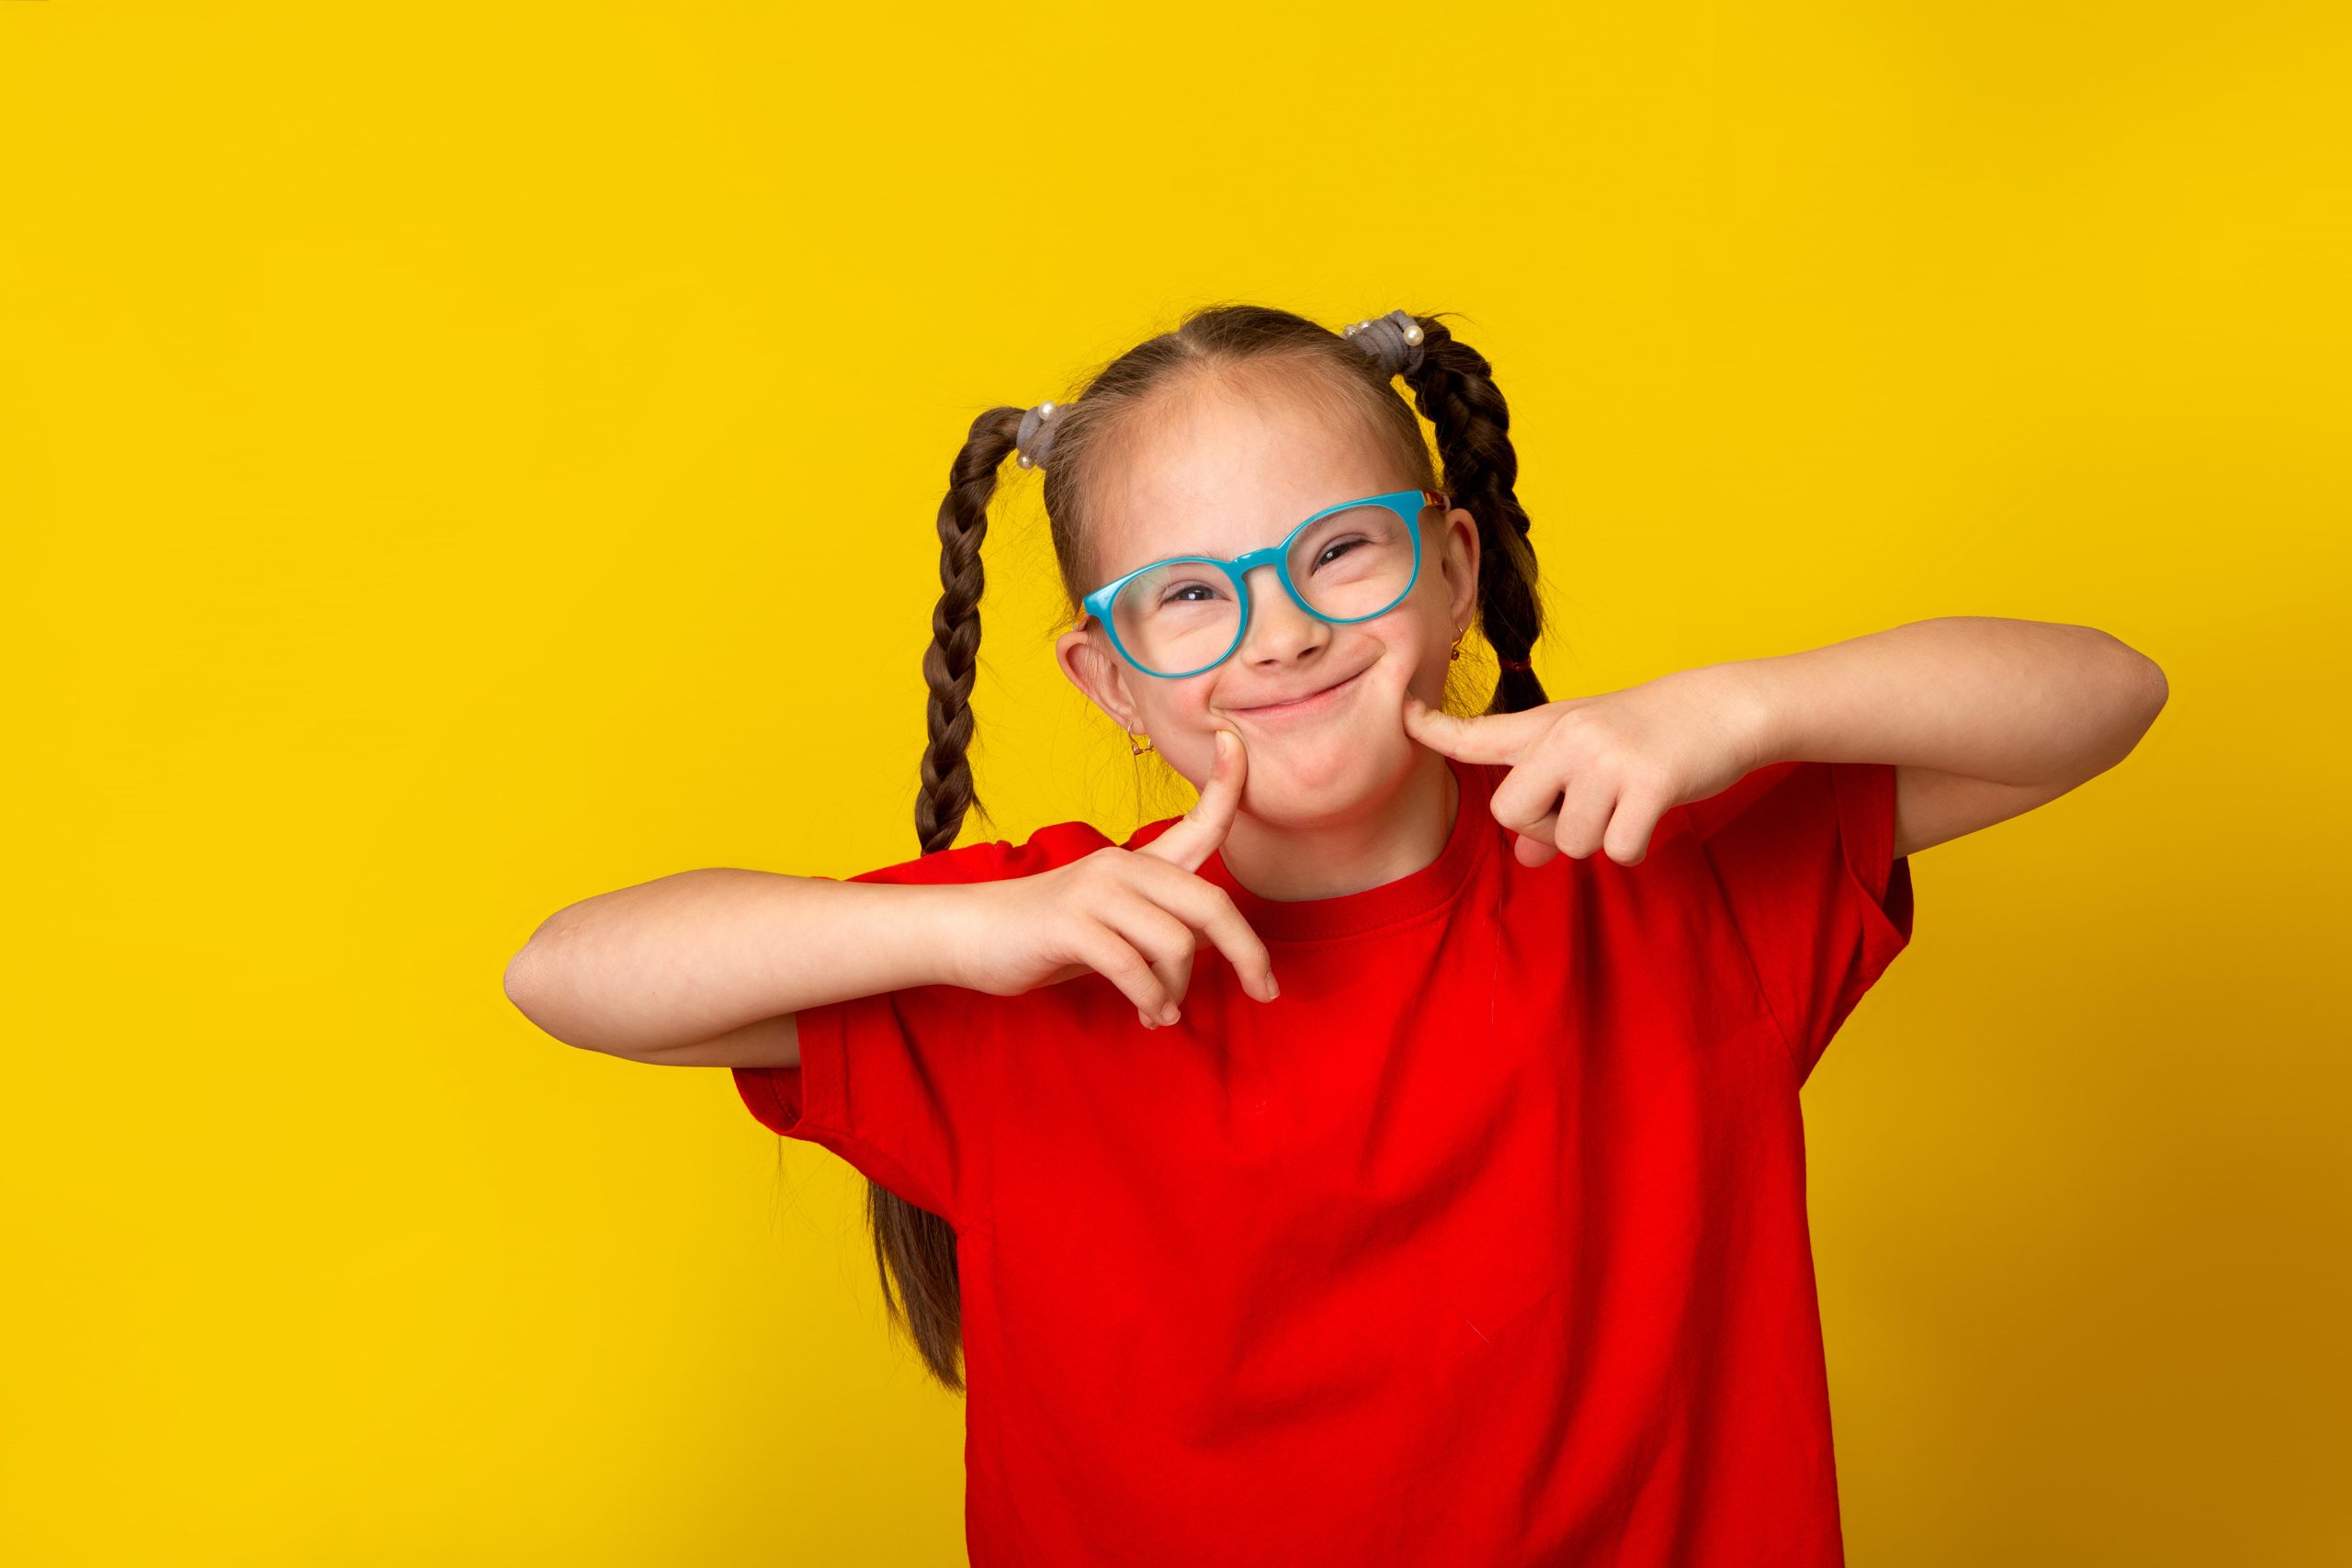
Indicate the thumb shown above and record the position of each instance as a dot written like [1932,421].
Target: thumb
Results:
[1204,827]
[1484,737]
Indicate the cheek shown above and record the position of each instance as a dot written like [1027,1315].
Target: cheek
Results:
[1176,705]
[1404,668]
[1415,650]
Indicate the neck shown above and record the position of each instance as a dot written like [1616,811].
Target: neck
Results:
[1387,840]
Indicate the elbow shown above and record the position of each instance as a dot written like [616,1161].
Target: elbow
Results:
[2151,688]
[531,987]
[543,982]
[2146,691]
[2126,690]
[2143,679]
[532,975]
[522,981]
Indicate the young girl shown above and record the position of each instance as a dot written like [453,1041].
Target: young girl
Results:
[1396,1158]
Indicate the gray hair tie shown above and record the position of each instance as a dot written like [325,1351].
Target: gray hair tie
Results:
[1036,437]
[1393,340]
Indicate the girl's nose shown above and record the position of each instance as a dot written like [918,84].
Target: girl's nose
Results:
[1279,630]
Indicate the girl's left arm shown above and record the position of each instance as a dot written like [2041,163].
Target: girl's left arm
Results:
[1984,718]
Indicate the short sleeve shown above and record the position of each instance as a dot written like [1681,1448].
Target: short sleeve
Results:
[904,1085]
[1803,852]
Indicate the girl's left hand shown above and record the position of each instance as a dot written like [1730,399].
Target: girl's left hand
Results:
[1621,759]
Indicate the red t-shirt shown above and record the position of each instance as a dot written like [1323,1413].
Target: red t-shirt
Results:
[1483,1244]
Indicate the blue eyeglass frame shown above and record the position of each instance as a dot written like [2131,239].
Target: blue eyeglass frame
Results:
[1408,504]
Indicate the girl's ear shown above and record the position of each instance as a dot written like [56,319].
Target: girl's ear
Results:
[1458,556]
[1096,671]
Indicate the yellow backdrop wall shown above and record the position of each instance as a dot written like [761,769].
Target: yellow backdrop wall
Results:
[457,459]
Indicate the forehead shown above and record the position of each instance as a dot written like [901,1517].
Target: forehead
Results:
[1223,467]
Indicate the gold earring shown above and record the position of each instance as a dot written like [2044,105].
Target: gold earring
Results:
[1136,750]
[1457,647]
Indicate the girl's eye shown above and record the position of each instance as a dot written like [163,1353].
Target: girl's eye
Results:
[1188,594]
[1341,547]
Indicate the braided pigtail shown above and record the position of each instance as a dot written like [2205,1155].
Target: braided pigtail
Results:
[1453,388]
[914,1249]
[952,658]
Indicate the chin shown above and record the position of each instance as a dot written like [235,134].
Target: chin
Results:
[1324,777]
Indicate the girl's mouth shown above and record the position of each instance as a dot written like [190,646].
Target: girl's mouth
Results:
[1314,703]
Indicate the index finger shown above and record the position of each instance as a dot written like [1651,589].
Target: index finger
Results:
[1482,738]
[1210,910]
[1204,827]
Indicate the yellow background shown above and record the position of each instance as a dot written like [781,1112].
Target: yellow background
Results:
[457,460]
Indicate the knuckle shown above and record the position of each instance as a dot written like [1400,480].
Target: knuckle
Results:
[1091,945]
[1170,936]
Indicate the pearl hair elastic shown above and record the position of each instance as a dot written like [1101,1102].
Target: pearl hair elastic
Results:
[1394,340]
[1036,436]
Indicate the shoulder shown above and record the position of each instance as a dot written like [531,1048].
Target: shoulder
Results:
[996,859]
[1787,816]
[1716,812]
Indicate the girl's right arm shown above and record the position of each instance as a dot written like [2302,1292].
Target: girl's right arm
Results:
[707,968]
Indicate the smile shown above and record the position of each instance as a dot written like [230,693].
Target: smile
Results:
[1309,703]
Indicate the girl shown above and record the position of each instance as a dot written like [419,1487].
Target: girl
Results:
[1396,1158]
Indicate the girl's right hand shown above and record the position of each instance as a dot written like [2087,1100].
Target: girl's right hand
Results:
[1134,916]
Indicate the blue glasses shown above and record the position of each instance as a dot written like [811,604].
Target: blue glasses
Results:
[1349,562]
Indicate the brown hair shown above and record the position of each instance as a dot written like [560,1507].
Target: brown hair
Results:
[1453,387]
